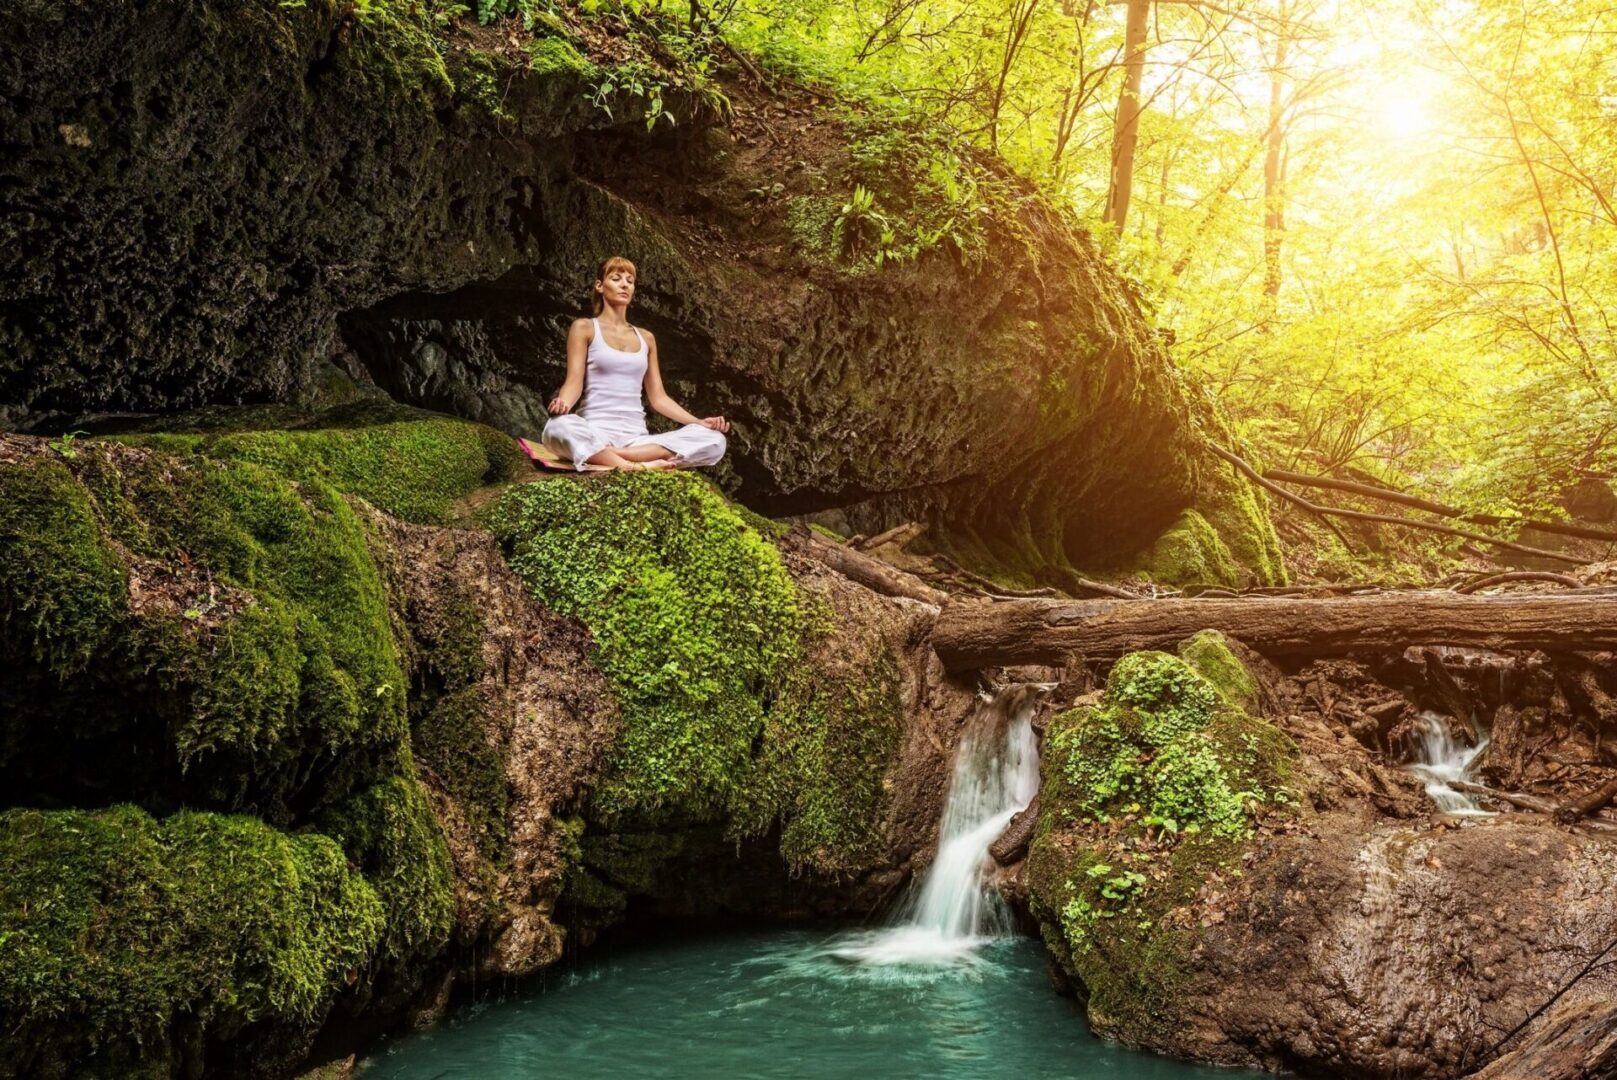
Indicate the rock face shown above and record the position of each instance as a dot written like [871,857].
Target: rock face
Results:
[1330,926]
[234,687]
[201,205]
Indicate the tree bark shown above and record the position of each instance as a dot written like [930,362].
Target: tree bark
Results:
[976,634]
[1126,132]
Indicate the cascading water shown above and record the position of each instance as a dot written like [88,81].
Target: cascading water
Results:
[952,911]
[944,991]
[1441,760]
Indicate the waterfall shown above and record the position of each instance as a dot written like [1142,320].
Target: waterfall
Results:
[1439,760]
[952,910]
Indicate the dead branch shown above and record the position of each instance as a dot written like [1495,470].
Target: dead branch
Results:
[1573,810]
[870,572]
[898,535]
[1387,519]
[1381,494]
[1517,575]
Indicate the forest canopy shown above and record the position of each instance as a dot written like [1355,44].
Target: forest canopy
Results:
[1379,234]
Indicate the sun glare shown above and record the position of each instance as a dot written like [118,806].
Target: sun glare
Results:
[1402,116]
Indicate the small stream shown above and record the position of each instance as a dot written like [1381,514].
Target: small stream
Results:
[1440,760]
[946,990]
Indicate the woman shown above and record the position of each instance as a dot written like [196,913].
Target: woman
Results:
[607,363]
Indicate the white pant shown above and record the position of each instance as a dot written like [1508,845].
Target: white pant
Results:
[577,439]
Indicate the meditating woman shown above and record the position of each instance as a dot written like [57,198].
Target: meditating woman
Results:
[608,361]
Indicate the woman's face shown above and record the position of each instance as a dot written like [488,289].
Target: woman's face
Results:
[618,286]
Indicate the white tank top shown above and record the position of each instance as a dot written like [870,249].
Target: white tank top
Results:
[612,383]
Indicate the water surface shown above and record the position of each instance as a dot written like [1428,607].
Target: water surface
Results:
[778,1004]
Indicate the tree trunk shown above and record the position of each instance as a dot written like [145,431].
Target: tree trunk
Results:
[1126,132]
[1274,175]
[978,634]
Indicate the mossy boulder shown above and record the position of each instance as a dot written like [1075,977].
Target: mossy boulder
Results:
[203,636]
[1149,798]
[128,943]
[411,465]
[733,715]
[1189,552]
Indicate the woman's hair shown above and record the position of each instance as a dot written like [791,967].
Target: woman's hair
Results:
[614,262]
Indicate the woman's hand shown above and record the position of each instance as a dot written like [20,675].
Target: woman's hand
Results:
[717,423]
[559,405]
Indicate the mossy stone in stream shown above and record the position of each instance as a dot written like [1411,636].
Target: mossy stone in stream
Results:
[1147,797]
[126,941]
[390,834]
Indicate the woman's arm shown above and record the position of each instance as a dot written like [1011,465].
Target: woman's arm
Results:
[578,344]
[658,398]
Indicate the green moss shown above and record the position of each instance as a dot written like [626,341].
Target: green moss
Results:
[694,620]
[732,712]
[62,589]
[1238,513]
[391,835]
[825,753]
[1190,552]
[483,79]
[413,469]
[1209,655]
[1173,697]
[1147,796]
[123,938]
[553,56]
[449,737]
[262,641]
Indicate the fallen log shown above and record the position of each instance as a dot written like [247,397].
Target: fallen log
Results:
[868,571]
[972,634]
[1574,810]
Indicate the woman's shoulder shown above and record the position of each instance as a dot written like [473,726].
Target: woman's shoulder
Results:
[582,323]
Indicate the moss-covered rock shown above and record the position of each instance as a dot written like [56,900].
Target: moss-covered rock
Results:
[193,631]
[389,833]
[708,642]
[1209,654]
[1148,797]
[127,942]
[413,469]
[62,589]
[253,633]
[1189,552]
